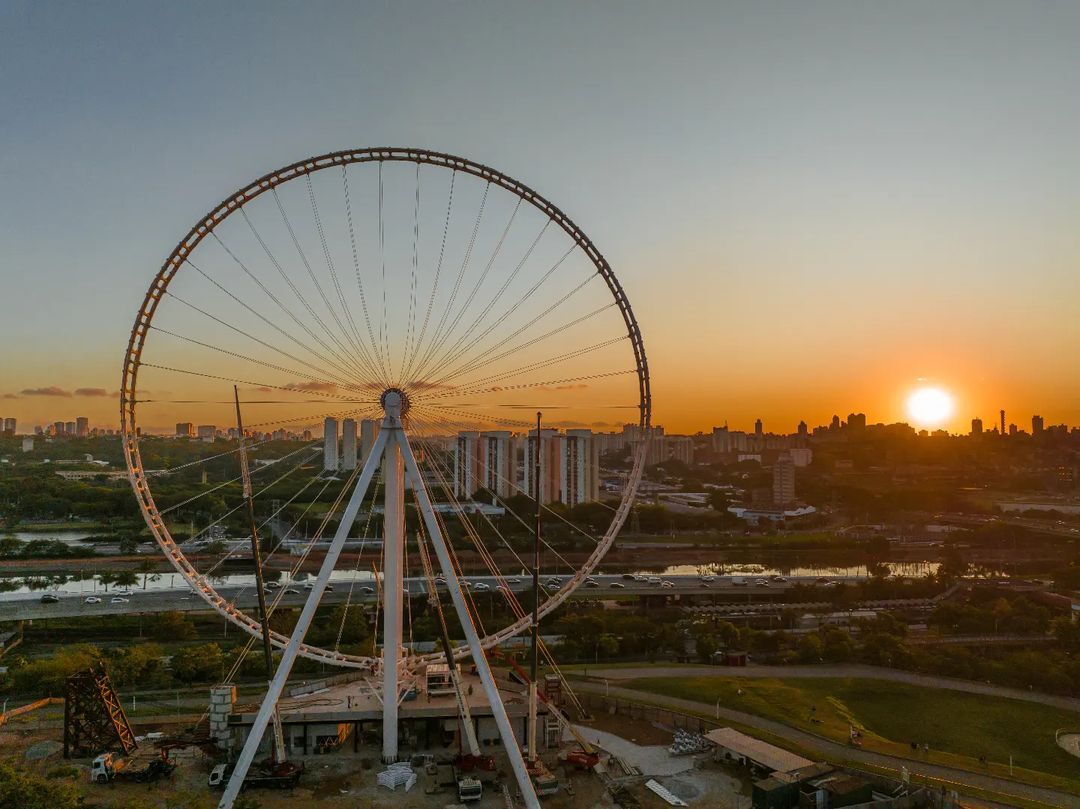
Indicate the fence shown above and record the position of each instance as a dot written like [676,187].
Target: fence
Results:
[647,713]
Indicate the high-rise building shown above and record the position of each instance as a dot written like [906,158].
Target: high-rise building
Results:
[802,429]
[550,453]
[856,421]
[82,426]
[369,431]
[758,429]
[59,428]
[680,448]
[498,468]
[330,445]
[976,426]
[9,425]
[1037,425]
[348,444]
[206,432]
[467,467]
[69,428]
[1013,429]
[721,439]
[579,468]
[783,480]
[28,443]
[185,429]
[1003,422]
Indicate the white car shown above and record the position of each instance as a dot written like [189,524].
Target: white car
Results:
[482,586]
[618,585]
[367,589]
[666,583]
[513,580]
[707,578]
[124,593]
[92,600]
[119,600]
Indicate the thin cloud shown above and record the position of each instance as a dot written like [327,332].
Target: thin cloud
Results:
[49,391]
[326,387]
[9,396]
[91,392]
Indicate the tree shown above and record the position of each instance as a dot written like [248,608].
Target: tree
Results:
[147,568]
[173,626]
[706,646]
[126,578]
[28,790]
[811,649]
[106,579]
[198,663]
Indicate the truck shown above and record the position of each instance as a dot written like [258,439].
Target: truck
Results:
[140,767]
[469,789]
[265,775]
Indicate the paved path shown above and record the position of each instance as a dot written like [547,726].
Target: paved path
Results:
[847,670]
[654,759]
[841,752]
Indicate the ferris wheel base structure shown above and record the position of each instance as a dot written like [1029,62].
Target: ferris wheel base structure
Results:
[391,445]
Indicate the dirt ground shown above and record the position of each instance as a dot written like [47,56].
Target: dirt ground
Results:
[346,779]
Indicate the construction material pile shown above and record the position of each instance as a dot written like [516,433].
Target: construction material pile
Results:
[688,744]
[397,775]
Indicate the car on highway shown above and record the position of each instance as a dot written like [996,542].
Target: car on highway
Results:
[551,586]
[513,580]
[705,577]
[629,576]
[705,584]
[666,583]
[618,585]
[91,600]
[592,583]
[119,600]
[124,593]
[367,589]
[291,591]
[49,598]
[480,585]
[778,579]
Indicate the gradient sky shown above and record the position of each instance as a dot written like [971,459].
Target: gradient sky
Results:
[812,206]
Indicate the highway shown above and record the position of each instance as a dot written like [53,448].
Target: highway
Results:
[29,606]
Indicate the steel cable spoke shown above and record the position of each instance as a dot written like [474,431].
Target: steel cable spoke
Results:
[359,281]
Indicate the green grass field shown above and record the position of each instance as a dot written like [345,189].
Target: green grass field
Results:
[959,727]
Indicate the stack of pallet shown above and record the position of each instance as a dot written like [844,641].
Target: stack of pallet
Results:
[399,774]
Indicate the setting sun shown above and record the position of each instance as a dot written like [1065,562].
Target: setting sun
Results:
[930,407]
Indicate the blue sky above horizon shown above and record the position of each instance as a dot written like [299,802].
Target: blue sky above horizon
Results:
[811,206]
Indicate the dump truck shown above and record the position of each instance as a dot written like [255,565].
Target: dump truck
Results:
[264,775]
[142,767]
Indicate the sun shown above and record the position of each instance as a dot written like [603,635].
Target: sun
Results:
[930,407]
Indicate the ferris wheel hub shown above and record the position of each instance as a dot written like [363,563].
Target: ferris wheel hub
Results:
[394,402]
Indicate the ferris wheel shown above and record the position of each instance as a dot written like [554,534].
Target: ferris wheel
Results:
[422,295]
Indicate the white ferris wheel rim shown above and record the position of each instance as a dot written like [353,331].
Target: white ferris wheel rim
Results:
[197,580]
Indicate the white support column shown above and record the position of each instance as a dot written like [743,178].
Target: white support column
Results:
[393,562]
[498,710]
[292,649]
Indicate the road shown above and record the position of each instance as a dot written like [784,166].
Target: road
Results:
[842,752]
[829,671]
[28,606]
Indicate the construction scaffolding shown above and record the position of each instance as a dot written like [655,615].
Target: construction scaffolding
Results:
[94,720]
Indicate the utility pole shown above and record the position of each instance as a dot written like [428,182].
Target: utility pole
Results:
[278,747]
[534,666]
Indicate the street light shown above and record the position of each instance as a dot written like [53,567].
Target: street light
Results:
[718,707]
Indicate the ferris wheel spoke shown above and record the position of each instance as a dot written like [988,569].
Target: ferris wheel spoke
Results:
[484,359]
[318,369]
[448,354]
[439,398]
[438,334]
[235,380]
[354,369]
[237,355]
[457,319]
[346,344]
[435,281]
[354,334]
[338,351]
[544,363]
[532,290]
[348,372]
[385,374]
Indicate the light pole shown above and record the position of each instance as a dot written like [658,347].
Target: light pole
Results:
[718,707]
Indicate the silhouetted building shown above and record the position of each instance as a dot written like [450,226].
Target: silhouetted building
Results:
[784,480]
[185,429]
[976,426]
[1037,425]
[758,429]
[1003,422]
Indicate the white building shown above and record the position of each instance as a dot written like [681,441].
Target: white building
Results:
[348,444]
[330,445]
[579,467]
[206,432]
[784,480]
[467,469]
[550,454]
[369,431]
[497,460]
